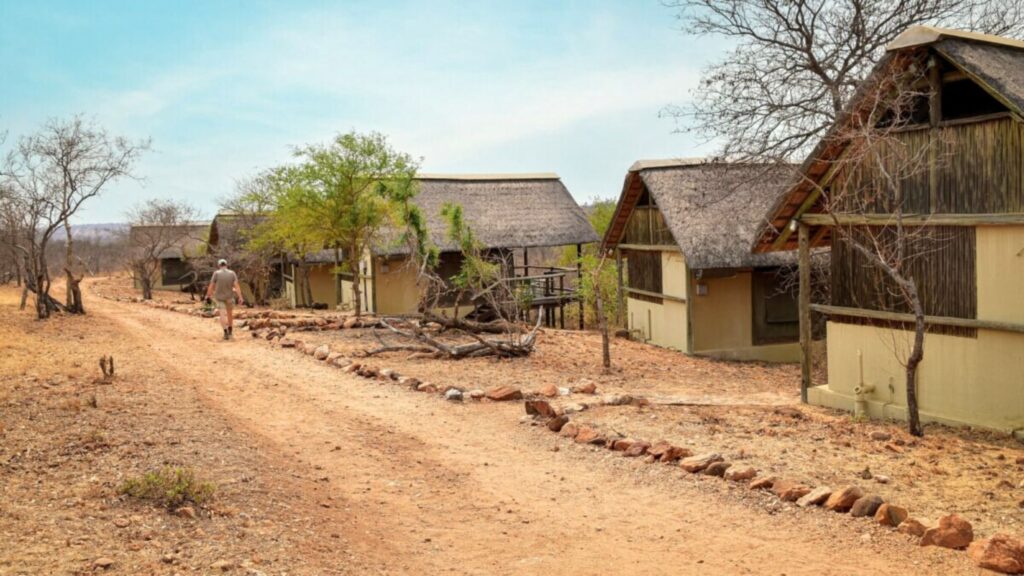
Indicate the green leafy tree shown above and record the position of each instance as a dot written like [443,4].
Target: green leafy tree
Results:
[341,195]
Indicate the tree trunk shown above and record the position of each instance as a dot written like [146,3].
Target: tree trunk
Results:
[24,295]
[916,355]
[147,287]
[602,320]
[357,303]
[337,277]
[74,293]
[307,289]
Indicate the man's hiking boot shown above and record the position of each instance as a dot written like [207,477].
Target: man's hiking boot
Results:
[227,335]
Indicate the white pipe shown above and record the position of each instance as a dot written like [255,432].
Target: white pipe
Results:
[861,391]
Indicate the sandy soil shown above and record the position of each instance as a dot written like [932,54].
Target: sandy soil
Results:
[323,472]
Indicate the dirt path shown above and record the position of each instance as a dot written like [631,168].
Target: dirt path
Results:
[430,487]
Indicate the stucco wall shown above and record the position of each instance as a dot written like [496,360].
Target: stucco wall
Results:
[397,292]
[722,318]
[663,324]
[977,381]
[1000,273]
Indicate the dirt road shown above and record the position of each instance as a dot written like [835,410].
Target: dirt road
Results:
[412,484]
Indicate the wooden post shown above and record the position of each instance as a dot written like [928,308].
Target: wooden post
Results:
[804,240]
[620,307]
[579,280]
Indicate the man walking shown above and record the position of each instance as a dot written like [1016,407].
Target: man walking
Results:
[224,288]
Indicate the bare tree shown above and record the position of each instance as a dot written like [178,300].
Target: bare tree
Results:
[871,177]
[160,229]
[790,82]
[796,63]
[54,172]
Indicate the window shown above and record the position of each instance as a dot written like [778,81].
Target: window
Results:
[643,271]
[775,308]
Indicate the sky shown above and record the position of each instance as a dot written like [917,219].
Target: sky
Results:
[224,88]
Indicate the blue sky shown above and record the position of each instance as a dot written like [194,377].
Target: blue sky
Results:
[225,88]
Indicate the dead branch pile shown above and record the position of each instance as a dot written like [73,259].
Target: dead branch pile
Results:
[422,337]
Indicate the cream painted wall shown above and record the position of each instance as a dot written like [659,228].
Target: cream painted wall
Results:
[663,324]
[977,381]
[1000,273]
[397,292]
[659,324]
[723,318]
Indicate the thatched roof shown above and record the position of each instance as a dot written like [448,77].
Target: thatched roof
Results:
[712,209]
[186,240]
[503,210]
[993,62]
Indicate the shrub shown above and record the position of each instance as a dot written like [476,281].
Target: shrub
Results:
[171,487]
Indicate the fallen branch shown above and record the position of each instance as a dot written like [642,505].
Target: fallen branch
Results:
[514,347]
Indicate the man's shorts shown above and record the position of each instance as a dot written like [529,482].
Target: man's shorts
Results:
[228,305]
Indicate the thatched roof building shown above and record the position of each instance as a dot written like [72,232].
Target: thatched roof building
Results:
[984,74]
[503,210]
[682,231]
[712,210]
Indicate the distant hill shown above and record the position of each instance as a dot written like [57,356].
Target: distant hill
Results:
[103,233]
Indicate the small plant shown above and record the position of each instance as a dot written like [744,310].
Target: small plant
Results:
[170,487]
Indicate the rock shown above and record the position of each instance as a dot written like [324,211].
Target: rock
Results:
[557,423]
[103,563]
[1000,553]
[890,515]
[222,565]
[332,358]
[621,444]
[740,474]
[637,449]
[815,497]
[588,435]
[287,343]
[122,522]
[453,395]
[673,453]
[574,408]
[717,469]
[912,527]
[564,391]
[342,361]
[185,512]
[880,436]
[426,387]
[881,479]
[390,374]
[762,483]
[616,400]
[322,352]
[789,412]
[585,387]
[843,500]
[504,394]
[350,323]
[695,464]
[866,506]
[476,394]
[789,490]
[309,348]
[549,391]
[569,430]
[952,532]
[539,408]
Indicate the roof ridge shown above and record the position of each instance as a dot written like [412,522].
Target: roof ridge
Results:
[490,176]
[691,162]
[925,35]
